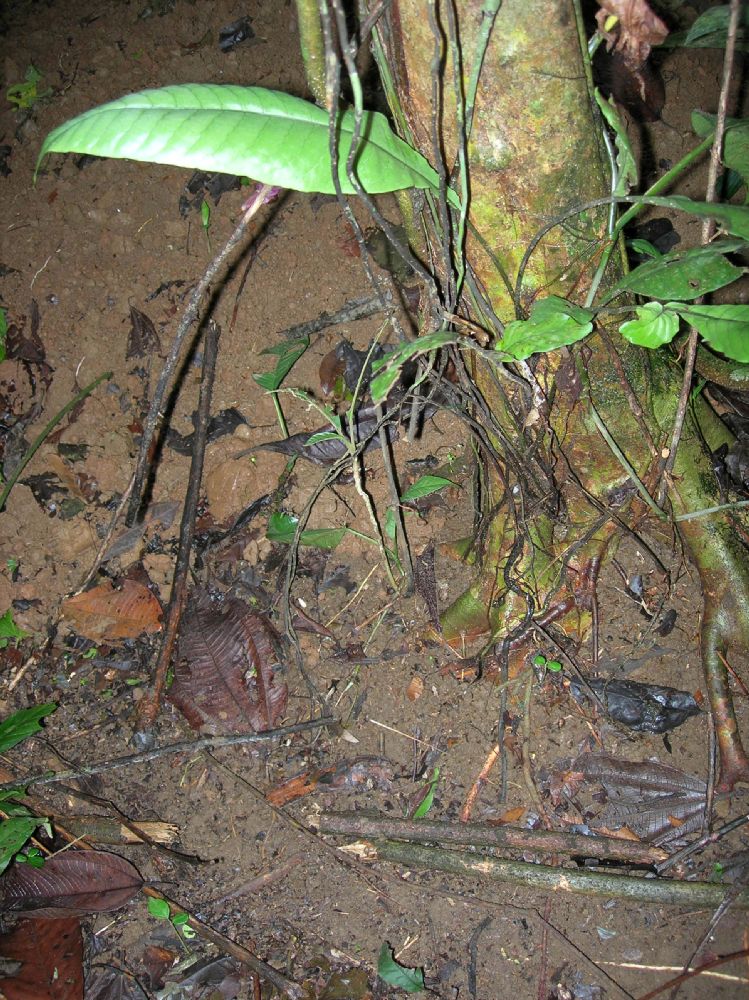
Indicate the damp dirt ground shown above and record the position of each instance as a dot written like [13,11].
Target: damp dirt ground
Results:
[94,239]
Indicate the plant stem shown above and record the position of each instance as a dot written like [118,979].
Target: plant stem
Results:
[32,449]
[170,365]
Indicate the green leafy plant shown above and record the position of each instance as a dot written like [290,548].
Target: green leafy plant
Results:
[9,631]
[553,666]
[25,95]
[288,353]
[205,219]
[161,909]
[394,974]
[19,822]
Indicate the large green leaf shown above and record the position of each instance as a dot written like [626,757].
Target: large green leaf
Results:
[683,274]
[554,322]
[735,142]
[272,137]
[734,219]
[725,328]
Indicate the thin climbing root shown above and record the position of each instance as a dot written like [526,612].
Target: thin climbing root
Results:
[734,763]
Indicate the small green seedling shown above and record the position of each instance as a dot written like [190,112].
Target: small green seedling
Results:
[205,218]
[553,666]
[427,801]
[31,856]
[160,909]
[25,95]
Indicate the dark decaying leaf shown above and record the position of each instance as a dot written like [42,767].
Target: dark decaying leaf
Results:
[71,884]
[426,585]
[203,185]
[51,957]
[359,775]
[657,802]
[225,680]
[113,984]
[235,33]
[225,422]
[353,368]
[329,451]
[142,339]
[645,708]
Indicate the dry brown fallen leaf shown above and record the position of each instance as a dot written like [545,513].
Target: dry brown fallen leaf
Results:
[106,612]
[636,31]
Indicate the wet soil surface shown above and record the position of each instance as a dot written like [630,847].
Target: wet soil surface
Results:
[87,250]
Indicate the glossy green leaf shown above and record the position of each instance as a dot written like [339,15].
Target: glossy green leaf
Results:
[710,30]
[394,974]
[159,908]
[735,142]
[644,248]
[425,486]
[734,219]
[389,365]
[554,322]
[13,835]
[655,325]
[272,137]
[683,274]
[23,724]
[725,328]
[288,354]
[626,165]
[282,528]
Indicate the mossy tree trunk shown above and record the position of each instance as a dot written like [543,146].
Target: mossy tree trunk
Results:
[560,496]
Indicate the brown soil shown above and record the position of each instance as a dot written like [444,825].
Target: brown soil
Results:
[93,239]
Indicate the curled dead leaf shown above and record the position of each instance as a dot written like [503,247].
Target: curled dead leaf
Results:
[415,689]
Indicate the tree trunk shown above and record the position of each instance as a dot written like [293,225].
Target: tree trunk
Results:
[560,496]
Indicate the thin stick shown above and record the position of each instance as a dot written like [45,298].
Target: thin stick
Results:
[678,980]
[478,786]
[170,365]
[33,448]
[186,746]
[708,228]
[150,704]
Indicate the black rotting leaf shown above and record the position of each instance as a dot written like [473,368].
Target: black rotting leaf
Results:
[349,367]
[329,451]
[645,708]
[142,339]
[203,185]
[225,679]
[225,422]
[426,585]
[235,33]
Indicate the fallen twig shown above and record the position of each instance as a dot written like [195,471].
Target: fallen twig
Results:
[655,891]
[186,746]
[150,704]
[482,835]
[678,980]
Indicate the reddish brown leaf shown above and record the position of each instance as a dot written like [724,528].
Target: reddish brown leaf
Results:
[636,31]
[225,678]
[358,775]
[51,956]
[105,612]
[71,884]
